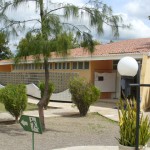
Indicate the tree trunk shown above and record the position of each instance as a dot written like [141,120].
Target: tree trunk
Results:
[41,116]
[45,97]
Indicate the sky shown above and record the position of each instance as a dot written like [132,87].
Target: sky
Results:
[134,12]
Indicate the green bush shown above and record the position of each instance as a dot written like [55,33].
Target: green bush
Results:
[127,124]
[51,89]
[83,94]
[14,98]
[1,101]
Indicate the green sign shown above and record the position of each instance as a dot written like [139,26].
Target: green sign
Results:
[31,124]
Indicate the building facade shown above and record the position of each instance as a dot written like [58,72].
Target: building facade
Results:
[99,68]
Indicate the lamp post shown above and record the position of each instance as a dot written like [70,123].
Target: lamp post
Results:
[128,66]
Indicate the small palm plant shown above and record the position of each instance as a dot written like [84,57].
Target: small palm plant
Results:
[127,124]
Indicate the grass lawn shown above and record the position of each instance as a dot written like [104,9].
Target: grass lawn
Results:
[29,107]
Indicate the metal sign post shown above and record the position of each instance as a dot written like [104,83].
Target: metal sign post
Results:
[32,140]
[31,124]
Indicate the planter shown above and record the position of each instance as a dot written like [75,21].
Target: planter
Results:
[122,147]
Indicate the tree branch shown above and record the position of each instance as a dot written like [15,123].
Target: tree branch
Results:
[72,26]
[13,22]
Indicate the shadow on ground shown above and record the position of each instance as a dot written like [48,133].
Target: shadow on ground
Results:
[11,128]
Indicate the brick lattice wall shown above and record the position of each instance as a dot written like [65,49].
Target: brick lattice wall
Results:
[60,80]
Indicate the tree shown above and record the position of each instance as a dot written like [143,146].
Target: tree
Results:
[5,52]
[53,30]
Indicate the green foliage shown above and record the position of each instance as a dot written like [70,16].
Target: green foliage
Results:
[36,45]
[83,94]
[1,90]
[14,98]
[51,89]
[51,24]
[5,53]
[127,124]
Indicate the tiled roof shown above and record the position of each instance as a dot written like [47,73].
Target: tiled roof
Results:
[134,46]
[121,47]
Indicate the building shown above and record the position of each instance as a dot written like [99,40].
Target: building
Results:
[100,68]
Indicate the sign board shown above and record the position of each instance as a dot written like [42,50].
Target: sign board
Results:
[31,124]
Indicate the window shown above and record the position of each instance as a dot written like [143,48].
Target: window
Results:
[74,65]
[21,67]
[80,65]
[100,78]
[86,65]
[33,66]
[115,63]
[60,66]
[41,66]
[30,66]
[50,66]
[56,65]
[68,65]
[64,65]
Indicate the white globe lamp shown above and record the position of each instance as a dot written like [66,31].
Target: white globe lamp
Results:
[127,66]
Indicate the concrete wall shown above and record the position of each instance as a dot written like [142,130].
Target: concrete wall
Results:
[60,80]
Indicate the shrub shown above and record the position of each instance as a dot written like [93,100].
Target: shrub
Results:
[1,101]
[127,124]
[83,94]
[15,99]
[51,89]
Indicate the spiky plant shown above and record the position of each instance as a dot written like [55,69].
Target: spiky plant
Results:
[127,123]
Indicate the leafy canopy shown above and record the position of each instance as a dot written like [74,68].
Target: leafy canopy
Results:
[54,23]
[5,52]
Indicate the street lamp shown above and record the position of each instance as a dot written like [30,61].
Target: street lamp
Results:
[128,66]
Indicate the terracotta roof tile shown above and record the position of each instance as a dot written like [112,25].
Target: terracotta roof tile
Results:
[122,47]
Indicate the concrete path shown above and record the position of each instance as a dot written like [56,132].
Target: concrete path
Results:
[59,109]
[65,108]
[90,148]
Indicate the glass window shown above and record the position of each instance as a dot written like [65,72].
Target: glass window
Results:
[41,66]
[50,66]
[21,67]
[86,65]
[56,65]
[64,65]
[26,66]
[32,66]
[59,65]
[68,65]
[115,63]
[74,66]
[80,65]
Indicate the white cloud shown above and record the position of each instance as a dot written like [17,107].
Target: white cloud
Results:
[138,8]
[138,30]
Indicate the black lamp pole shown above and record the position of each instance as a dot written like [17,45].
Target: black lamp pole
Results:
[138,110]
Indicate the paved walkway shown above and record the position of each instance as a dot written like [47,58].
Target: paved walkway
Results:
[57,109]
[65,108]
